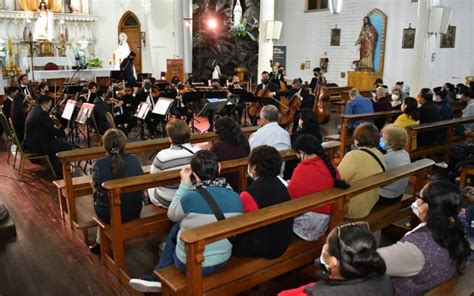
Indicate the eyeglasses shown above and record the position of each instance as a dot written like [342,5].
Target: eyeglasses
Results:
[419,197]
[359,223]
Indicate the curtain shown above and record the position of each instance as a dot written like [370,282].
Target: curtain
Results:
[32,5]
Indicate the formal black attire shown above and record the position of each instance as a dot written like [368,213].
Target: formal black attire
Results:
[272,88]
[91,97]
[100,110]
[126,67]
[429,112]
[27,91]
[42,137]
[7,107]
[18,116]
[314,83]
[307,101]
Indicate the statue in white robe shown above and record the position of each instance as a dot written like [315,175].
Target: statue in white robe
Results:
[44,25]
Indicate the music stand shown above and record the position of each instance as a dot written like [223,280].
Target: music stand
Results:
[162,106]
[193,98]
[141,113]
[69,109]
[245,97]
[83,116]
[213,105]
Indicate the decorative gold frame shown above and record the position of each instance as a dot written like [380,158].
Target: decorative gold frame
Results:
[384,34]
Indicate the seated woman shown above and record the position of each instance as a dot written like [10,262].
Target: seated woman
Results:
[351,264]
[178,155]
[268,189]
[189,209]
[409,117]
[315,165]
[394,141]
[366,139]
[308,124]
[117,164]
[436,249]
[397,98]
[232,144]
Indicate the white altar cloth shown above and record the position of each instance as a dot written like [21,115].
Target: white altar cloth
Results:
[87,74]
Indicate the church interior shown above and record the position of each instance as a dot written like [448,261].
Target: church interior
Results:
[236,147]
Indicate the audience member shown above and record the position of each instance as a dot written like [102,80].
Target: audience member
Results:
[409,117]
[190,209]
[357,105]
[394,141]
[428,112]
[308,124]
[441,100]
[366,140]
[382,103]
[178,155]
[351,263]
[436,250]
[116,165]
[315,165]
[232,144]
[466,96]
[268,189]
[397,97]
[270,133]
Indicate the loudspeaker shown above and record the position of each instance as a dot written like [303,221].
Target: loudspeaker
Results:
[439,20]
[273,30]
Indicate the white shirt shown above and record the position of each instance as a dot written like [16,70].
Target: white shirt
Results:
[271,134]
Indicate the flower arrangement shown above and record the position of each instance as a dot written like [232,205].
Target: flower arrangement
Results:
[239,30]
[94,62]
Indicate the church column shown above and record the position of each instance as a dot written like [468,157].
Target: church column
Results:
[178,28]
[424,52]
[265,47]
[187,24]
[85,7]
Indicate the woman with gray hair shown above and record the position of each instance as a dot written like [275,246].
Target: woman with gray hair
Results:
[394,141]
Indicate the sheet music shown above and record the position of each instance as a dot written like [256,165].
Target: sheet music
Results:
[143,110]
[84,113]
[162,106]
[69,109]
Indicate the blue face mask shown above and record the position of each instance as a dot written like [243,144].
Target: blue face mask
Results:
[384,145]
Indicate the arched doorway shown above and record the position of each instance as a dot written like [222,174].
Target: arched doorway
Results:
[130,25]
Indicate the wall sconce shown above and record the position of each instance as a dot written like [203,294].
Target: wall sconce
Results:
[143,38]
[335,6]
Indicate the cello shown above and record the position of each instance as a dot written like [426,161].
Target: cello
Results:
[289,110]
[320,94]
[255,107]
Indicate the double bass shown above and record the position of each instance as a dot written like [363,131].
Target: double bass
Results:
[320,94]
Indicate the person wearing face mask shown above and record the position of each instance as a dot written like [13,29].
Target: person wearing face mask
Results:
[267,87]
[436,250]
[298,93]
[394,141]
[443,104]
[314,81]
[409,117]
[267,189]
[351,265]
[307,124]
[397,97]
[314,164]
[366,139]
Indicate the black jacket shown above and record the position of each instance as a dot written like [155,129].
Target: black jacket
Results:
[100,110]
[429,112]
[40,133]
[127,70]
[7,107]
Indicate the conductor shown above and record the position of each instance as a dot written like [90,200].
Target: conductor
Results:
[128,69]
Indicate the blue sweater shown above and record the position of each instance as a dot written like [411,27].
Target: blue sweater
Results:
[358,105]
[191,210]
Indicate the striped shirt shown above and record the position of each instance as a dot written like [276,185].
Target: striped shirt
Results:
[172,158]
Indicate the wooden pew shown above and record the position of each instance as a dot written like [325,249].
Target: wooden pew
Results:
[243,273]
[114,235]
[75,202]
[345,138]
[436,148]
[458,285]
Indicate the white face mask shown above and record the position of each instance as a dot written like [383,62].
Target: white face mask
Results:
[415,209]
[249,172]
[300,123]
[395,97]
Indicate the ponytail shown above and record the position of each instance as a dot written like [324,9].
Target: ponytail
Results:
[309,144]
[114,143]
[118,163]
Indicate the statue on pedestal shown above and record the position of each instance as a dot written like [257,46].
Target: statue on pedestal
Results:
[367,41]
[121,53]
[44,25]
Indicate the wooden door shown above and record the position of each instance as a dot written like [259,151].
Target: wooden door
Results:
[130,25]
[174,67]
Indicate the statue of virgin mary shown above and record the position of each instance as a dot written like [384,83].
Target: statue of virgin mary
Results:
[122,51]
[44,25]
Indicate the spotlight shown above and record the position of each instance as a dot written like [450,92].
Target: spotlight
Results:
[212,24]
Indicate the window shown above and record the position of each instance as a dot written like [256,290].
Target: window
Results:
[131,22]
[312,5]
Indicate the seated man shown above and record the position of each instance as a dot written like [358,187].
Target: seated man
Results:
[101,108]
[40,134]
[429,112]
[178,155]
[190,209]
[466,96]
[357,105]
[270,133]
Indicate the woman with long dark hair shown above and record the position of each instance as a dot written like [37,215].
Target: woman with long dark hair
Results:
[115,165]
[351,265]
[435,250]
[314,173]
[308,124]
[410,116]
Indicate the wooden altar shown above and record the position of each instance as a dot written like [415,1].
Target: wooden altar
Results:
[362,80]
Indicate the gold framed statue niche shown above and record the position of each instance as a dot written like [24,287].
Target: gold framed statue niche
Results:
[363,77]
[46,49]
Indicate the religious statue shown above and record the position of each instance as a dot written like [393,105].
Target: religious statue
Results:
[44,25]
[62,45]
[237,13]
[367,41]
[32,5]
[75,6]
[121,53]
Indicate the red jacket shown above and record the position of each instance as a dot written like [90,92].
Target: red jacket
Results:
[311,176]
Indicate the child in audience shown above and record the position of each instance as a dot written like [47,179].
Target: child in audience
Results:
[436,250]
[314,173]
[117,164]
[178,155]
[189,209]
[351,263]
[359,164]
[268,189]
[394,141]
